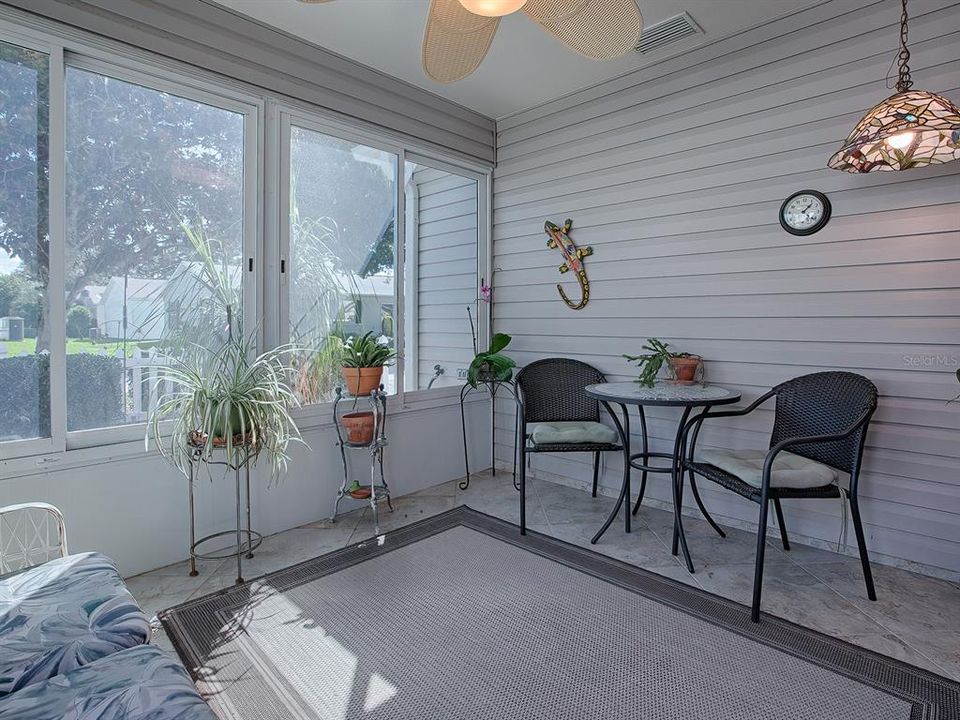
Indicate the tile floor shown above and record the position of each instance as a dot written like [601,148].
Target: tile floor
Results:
[914,618]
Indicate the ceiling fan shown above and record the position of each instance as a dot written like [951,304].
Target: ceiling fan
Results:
[459,32]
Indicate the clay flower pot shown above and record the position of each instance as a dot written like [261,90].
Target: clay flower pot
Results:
[362,381]
[359,427]
[198,439]
[684,369]
[359,493]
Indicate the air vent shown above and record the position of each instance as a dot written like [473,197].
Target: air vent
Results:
[667,32]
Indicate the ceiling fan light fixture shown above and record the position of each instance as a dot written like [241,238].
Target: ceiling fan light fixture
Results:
[456,39]
[492,8]
[597,29]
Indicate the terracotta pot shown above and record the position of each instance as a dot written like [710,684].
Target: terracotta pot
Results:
[685,368]
[198,439]
[359,427]
[362,381]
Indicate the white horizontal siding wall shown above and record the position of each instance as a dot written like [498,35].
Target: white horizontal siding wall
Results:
[675,174]
[446,273]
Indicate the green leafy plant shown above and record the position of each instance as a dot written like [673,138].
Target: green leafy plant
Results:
[223,399]
[79,321]
[201,301]
[491,364]
[317,369]
[216,278]
[650,362]
[366,352]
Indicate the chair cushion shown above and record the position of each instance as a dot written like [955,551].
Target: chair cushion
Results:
[573,432]
[142,683]
[788,471]
[63,614]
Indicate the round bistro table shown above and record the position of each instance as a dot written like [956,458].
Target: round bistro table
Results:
[660,395]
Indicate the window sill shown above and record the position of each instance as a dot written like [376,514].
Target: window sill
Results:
[104,446]
[321,415]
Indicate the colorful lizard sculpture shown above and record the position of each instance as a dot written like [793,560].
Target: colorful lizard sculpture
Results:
[560,238]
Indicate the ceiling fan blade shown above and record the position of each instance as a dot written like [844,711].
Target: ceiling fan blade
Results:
[599,29]
[455,41]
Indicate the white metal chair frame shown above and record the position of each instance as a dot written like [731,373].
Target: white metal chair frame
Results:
[27,535]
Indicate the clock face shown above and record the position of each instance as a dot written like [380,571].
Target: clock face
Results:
[805,212]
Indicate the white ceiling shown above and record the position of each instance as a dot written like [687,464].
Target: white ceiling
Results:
[525,66]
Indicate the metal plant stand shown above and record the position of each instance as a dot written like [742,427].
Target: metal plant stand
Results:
[379,491]
[492,387]
[247,540]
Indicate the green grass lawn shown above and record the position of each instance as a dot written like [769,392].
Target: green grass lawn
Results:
[74,347]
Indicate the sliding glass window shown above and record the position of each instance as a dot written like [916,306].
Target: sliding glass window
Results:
[341,274]
[24,244]
[444,309]
[154,240]
[149,213]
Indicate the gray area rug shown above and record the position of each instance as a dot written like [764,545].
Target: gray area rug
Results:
[458,616]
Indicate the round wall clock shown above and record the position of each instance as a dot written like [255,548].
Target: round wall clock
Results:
[805,212]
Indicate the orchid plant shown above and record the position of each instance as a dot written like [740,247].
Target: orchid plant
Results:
[489,365]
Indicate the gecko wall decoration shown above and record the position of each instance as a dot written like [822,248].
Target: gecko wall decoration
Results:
[560,238]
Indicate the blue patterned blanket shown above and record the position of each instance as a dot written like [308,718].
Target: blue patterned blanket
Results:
[62,615]
[142,683]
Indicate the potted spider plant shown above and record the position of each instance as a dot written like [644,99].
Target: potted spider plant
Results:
[225,399]
[492,366]
[683,366]
[363,359]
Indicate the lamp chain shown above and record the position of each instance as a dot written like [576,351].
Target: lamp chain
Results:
[904,82]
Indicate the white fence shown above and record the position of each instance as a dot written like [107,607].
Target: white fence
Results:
[143,382]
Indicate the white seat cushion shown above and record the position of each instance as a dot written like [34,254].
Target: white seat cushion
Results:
[569,432]
[788,471]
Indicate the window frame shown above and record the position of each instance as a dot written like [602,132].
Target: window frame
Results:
[55,260]
[281,117]
[64,55]
[66,47]
[434,397]
[287,118]
[484,257]
[251,110]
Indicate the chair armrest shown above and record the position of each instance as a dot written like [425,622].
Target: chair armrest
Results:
[735,413]
[697,420]
[808,440]
[831,437]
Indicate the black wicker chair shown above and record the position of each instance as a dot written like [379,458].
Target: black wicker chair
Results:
[823,417]
[552,390]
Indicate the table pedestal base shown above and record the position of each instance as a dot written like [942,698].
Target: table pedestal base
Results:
[641,461]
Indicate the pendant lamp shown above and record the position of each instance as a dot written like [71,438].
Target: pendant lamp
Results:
[912,128]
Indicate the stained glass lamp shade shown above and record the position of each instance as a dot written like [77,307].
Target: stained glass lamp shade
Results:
[907,130]
[910,129]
